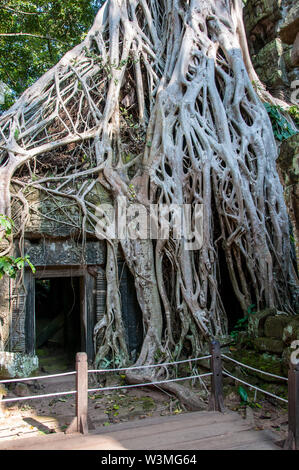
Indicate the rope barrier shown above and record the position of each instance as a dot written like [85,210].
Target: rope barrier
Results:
[163,364]
[256,388]
[48,395]
[252,368]
[36,378]
[103,389]
[103,370]
[32,397]
[216,394]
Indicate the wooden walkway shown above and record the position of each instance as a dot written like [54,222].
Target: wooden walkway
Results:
[189,431]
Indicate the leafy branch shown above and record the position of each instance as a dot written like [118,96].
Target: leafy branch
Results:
[8,264]
[281,127]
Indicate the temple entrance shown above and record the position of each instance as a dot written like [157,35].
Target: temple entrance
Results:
[131,312]
[58,322]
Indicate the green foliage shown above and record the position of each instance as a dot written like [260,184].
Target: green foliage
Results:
[8,264]
[48,30]
[242,323]
[7,100]
[281,127]
[243,394]
[294,113]
[6,226]
[132,192]
[129,118]
[244,398]
[127,157]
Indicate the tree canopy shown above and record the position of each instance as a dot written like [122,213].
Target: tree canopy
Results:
[34,34]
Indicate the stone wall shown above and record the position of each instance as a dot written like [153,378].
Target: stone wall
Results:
[5,313]
[54,243]
[273,332]
[17,365]
[65,252]
[288,168]
[271,27]
[52,238]
[272,31]
[55,217]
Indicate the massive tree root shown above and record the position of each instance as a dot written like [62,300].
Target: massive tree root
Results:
[158,106]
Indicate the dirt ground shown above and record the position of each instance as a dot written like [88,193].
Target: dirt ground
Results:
[27,418]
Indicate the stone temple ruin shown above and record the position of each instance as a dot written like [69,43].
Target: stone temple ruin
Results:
[52,312]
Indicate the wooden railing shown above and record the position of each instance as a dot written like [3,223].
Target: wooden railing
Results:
[81,422]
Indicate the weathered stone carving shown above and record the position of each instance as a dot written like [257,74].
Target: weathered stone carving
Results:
[64,252]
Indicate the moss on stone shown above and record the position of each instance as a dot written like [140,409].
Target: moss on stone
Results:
[291,331]
[13,365]
[270,66]
[274,326]
[265,362]
[270,345]
[256,322]
[257,11]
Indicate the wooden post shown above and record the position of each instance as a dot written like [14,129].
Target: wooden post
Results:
[292,441]
[79,423]
[216,402]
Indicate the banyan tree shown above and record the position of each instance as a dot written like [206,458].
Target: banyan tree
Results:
[160,104]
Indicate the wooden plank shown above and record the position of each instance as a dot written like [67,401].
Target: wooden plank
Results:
[186,420]
[153,436]
[207,431]
[231,440]
[259,445]
[195,418]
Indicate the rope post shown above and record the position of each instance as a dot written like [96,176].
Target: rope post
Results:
[292,441]
[216,402]
[80,422]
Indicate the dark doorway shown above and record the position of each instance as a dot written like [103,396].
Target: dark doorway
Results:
[228,296]
[131,312]
[58,322]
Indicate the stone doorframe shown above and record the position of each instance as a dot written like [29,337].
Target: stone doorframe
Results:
[87,308]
